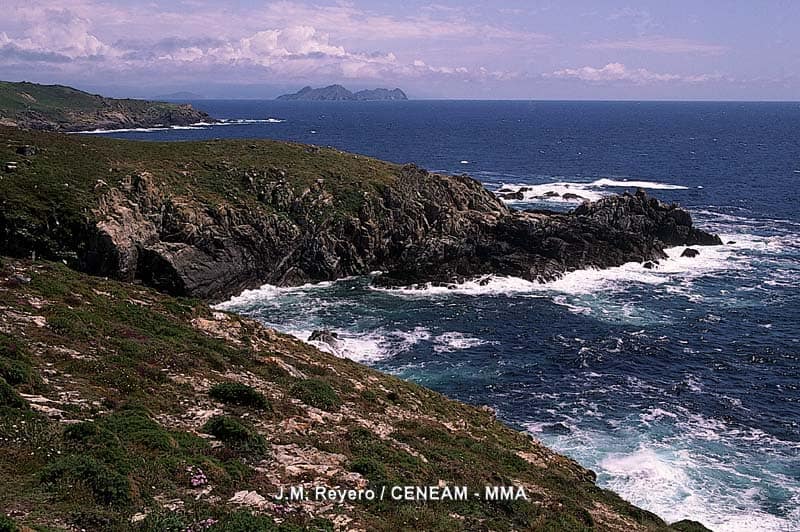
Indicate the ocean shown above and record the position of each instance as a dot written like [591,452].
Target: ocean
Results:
[678,386]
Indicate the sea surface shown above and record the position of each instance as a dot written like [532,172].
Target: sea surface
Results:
[679,386]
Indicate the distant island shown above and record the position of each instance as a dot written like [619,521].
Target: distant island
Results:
[339,93]
[60,108]
[181,95]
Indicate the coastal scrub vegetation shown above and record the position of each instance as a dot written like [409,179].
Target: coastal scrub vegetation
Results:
[125,409]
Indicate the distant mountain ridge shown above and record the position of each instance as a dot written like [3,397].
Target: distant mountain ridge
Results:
[339,93]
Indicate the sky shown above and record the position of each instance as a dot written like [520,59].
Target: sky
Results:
[640,50]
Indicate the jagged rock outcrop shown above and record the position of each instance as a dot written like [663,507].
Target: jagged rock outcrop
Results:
[210,219]
[425,228]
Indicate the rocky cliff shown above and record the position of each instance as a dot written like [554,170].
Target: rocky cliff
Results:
[187,219]
[59,108]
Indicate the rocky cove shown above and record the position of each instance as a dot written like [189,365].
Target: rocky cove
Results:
[253,409]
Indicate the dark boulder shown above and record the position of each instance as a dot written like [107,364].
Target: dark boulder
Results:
[27,151]
[687,525]
[327,337]
[569,196]
[689,252]
[513,195]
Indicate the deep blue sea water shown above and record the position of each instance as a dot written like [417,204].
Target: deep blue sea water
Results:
[679,386]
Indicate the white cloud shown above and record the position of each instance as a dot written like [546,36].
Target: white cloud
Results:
[659,44]
[59,32]
[619,72]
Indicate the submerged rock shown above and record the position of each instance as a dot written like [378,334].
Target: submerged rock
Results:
[570,196]
[326,337]
[513,195]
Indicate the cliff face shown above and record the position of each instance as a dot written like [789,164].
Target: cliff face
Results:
[59,108]
[214,227]
[424,228]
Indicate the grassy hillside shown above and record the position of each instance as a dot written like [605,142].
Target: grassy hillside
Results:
[124,409]
[57,107]
[49,198]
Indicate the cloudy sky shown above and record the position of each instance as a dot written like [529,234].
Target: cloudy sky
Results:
[564,49]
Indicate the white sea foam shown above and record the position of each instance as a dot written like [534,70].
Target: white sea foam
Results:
[675,478]
[455,341]
[593,191]
[266,292]
[196,125]
[245,121]
[484,286]
[120,130]
[367,347]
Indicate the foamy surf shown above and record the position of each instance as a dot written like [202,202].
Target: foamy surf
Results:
[194,126]
[573,192]
[130,130]
[591,281]
[456,341]
[680,475]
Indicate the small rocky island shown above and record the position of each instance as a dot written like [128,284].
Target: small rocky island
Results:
[60,108]
[339,93]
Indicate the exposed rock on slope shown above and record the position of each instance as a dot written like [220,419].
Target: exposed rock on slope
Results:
[124,409]
[60,108]
[183,218]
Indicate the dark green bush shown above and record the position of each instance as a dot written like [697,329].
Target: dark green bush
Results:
[240,394]
[316,393]
[107,486]
[15,366]
[369,468]
[9,396]
[7,524]
[236,435]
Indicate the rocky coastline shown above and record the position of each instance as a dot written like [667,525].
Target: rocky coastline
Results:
[272,226]
[208,414]
[64,109]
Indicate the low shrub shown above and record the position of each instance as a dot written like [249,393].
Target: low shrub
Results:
[106,486]
[236,435]
[316,393]
[7,524]
[9,396]
[240,394]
